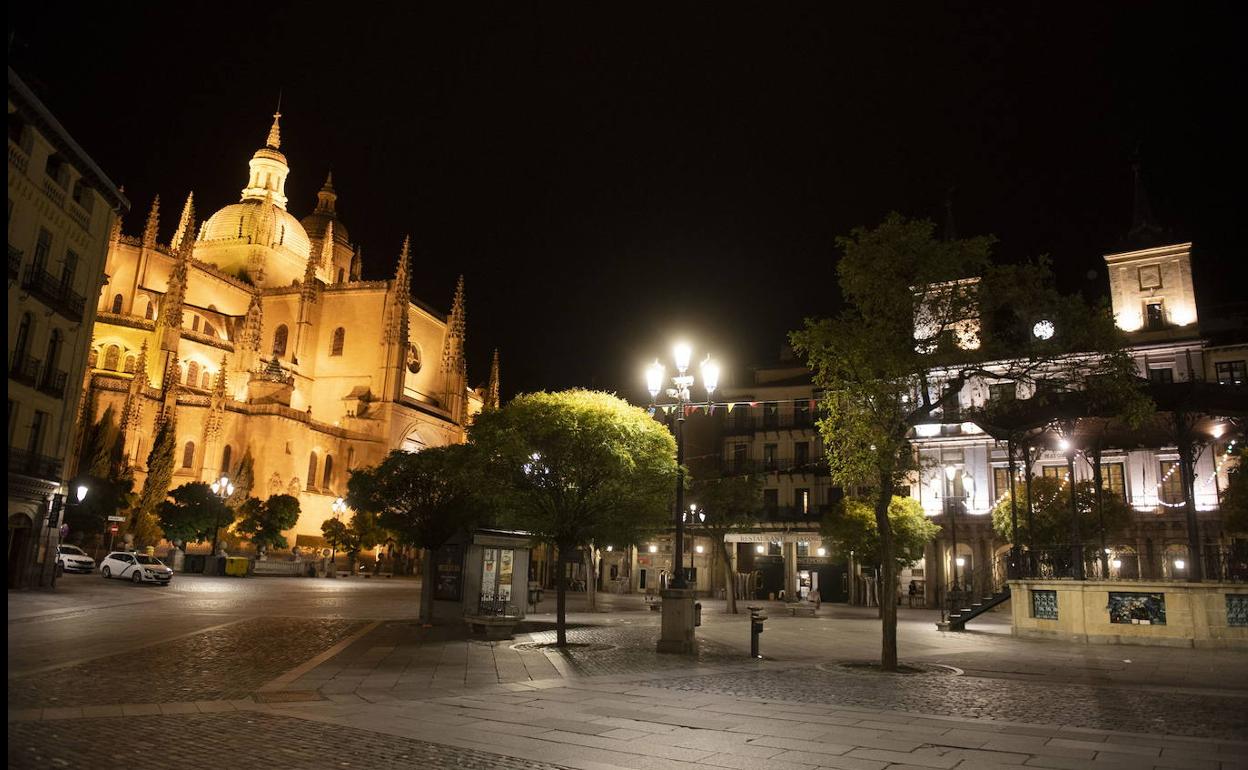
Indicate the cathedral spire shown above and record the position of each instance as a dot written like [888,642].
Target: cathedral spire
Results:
[327,247]
[275,131]
[453,351]
[188,209]
[493,395]
[327,198]
[152,228]
[396,324]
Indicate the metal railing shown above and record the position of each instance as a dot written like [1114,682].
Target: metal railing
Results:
[1219,563]
[54,293]
[24,369]
[808,464]
[53,382]
[749,420]
[34,464]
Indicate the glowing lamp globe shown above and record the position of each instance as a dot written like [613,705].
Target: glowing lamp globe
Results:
[1043,330]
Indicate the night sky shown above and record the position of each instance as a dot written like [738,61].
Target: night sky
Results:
[606,181]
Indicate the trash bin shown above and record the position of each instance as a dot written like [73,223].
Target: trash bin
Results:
[237,566]
[697,614]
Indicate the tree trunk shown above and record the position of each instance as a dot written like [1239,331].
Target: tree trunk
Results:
[426,587]
[561,599]
[888,575]
[591,579]
[730,592]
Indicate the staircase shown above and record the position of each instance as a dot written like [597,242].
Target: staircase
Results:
[959,618]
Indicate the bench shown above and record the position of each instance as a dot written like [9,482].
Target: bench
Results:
[494,627]
[801,610]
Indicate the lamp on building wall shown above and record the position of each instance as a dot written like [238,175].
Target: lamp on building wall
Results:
[681,394]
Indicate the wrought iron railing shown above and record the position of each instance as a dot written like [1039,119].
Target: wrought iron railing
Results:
[808,464]
[54,293]
[34,464]
[1217,563]
[53,382]
[24,369]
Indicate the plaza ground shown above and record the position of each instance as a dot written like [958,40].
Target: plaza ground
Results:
[337,673]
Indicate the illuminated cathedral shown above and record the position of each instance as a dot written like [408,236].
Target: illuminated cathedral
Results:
[255,335]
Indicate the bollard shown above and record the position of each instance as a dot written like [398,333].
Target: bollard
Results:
[756,627]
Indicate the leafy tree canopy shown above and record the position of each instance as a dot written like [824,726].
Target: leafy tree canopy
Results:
[265,520]
[193,513]
[577,467]
[1234,502]
[851,525]
[422,497]
[1050,511]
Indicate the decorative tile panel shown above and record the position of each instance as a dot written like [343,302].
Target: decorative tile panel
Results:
[1044,604]
[1133,608]
[1237,609]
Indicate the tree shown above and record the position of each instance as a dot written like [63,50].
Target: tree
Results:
[160,459]
[99,447]
[353,536]
[574,468]
[1051,513]
[922,319]
[193,514]
[731,504]
[851,525]
[1234,502]
[102,470]
[423,498]
[265,520]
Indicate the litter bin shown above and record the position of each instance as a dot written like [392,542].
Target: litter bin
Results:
[697,613]
[236,566]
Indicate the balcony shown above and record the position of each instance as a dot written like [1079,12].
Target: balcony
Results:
[34,464]
[53,383]
[815,465]
[43,286]
[744,423]
[24,369]
[15,261]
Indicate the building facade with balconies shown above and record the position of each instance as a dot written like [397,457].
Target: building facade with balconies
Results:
[62,208]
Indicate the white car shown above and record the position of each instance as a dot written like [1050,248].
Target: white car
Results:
[137,567]
[74,559]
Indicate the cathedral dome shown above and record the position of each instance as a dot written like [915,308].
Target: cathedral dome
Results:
[326,212]
[258,222]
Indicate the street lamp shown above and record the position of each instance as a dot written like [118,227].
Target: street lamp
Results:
[222,488]
[680,393]
[951,473]
[693,516]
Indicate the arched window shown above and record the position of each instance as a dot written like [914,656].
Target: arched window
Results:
[279,340]
[25,330]
[112,355]
[329,472]
[192,374]
[149,309]
[335,347]
[194,323]
[312,471]
[130,363]
[206,380]
[188,455]
[225,458]
[55,342]
[341,274]
[117,304]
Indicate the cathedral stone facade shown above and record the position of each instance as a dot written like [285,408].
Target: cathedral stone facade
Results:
[254,333]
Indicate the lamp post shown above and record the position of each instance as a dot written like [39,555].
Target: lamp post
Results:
[222,488]
[681,395]
[693,516]
[1076,538]
[951,511]
[339,507]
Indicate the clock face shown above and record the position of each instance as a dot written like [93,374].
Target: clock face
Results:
[413,359]
[1043,330]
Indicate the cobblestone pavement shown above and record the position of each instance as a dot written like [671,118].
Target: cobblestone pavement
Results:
[1131,710]
[630,650]
[250,739]
[228,662]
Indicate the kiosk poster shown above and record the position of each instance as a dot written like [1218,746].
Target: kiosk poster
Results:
[448,573]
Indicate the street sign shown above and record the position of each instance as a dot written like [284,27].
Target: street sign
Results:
[116,518]
[113,528]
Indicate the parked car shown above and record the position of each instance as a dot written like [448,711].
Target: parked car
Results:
[138,567]
[71,558]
